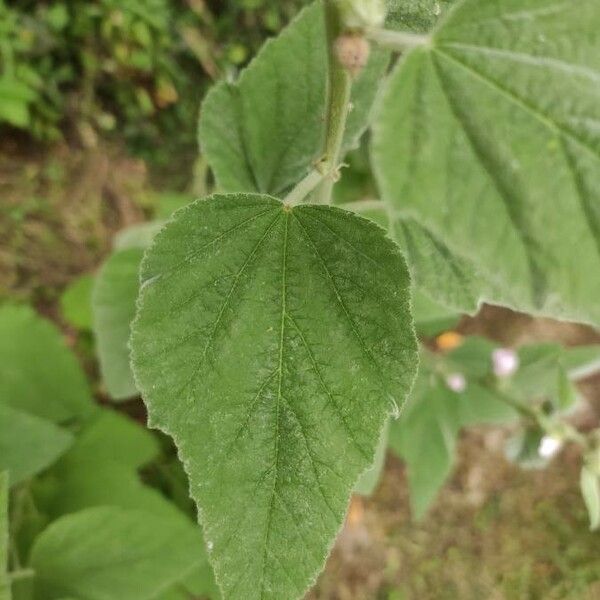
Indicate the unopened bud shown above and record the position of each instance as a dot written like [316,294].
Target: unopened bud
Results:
[505,362]
[456,382]
[352,51]
[549,446]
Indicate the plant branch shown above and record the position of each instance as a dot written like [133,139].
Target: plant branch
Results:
[304,187]
[338,103]
[397,40]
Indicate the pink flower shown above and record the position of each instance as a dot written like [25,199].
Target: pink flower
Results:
[505,362]
[456,382]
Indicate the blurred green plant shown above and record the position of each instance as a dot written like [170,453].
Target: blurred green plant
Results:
[138,66]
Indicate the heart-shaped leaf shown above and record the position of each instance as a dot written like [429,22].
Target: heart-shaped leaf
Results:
[272,343]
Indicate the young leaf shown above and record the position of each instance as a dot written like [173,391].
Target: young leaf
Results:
[113,305]
[4,580]
[271,343]
[28,444]
[109,552]
[487,144]
[265,132]
[38,373]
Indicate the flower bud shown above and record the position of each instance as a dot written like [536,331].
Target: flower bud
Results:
[352,52]
[362,14]
[549,446]
[456,382]
[505,362]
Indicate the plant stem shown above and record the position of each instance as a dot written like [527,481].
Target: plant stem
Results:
[397,40]
[338,104]
[304,187]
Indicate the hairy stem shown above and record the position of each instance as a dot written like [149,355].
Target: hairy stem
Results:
[304,187]
[338,104]
[397,40]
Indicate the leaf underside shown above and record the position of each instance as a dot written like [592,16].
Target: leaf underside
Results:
[272,343]
[487,147]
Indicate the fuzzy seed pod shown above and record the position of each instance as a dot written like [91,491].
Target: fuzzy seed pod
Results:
[352,51]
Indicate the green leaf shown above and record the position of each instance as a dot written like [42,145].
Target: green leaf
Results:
[38,373]
[265,132]
[272,343]
[199,584]
[425,439]
[76,302]
[137,236]
[478,130]
[101,469]
[425,434]
[431,317]
[416,15]
[113,306]
[4,580]
[370,478]
[581,361]
[28,444]
[112,436]
[590,490]
[109,552]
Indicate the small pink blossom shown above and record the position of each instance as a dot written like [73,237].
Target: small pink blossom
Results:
[456,382]
[505,362]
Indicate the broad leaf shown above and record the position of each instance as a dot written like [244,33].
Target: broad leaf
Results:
[109,552]
[272,343]
[488,150]
[114,296]
[416,15]
[76,302]
[38,373]
[4,580]
[101,469]
[264,132]
[113,304]
[425,434]
[112,436]
[28,444]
